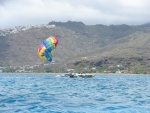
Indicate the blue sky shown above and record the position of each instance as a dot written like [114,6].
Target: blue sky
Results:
[33,12]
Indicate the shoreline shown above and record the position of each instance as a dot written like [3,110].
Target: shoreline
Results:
[96,74]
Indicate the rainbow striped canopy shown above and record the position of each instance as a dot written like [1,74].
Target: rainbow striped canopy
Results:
[46,49]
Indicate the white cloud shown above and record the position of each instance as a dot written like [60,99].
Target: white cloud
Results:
[28,12]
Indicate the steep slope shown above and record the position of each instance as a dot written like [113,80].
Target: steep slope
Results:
[134,45]
[21,48]
[19,45]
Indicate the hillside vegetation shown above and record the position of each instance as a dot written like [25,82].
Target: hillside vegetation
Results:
[98,45]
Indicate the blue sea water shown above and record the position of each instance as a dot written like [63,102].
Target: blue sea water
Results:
[51,93]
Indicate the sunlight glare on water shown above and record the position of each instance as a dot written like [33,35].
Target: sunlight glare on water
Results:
[49,93]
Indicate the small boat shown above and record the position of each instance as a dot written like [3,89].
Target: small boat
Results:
[72,74]
[88,75]
[75,75]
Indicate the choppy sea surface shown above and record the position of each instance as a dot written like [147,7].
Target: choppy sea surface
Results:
[51,93]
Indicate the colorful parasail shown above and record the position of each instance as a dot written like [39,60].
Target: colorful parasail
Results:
[46,49]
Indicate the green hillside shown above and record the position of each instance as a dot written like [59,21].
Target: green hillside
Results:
[98,45]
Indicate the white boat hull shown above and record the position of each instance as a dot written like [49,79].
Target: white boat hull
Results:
[75,75]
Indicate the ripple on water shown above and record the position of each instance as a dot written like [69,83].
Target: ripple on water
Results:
[52,94]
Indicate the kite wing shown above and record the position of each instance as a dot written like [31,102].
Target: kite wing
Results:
[46,49]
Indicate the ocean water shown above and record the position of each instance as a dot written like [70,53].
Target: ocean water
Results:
[51,93]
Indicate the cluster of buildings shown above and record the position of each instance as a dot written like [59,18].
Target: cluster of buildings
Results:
[18,69]
[8,31]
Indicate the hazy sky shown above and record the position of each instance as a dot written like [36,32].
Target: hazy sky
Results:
[31,12]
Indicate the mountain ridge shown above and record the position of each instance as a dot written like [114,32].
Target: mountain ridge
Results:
[75,39]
